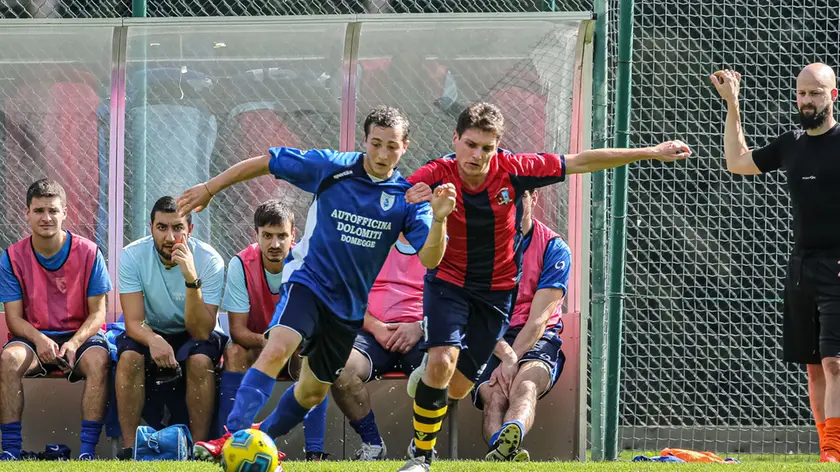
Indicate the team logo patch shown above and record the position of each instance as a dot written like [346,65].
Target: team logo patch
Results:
[386,201]
[61,284]
[503,196]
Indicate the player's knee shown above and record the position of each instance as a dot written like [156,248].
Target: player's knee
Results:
[311,395]
[95,363]
[236,357]
[277,351]
[531,379]
[12,360]
[831,367]
[441,364]
[200,366]
[131,360]
[348,379]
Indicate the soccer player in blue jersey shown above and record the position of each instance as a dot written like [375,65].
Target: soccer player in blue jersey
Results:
[357,213]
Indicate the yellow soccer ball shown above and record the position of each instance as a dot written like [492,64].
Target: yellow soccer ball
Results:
[249,450]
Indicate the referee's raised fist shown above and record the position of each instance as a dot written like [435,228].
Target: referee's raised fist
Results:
[727,83]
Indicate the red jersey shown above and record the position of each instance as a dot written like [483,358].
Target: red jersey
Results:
[484,225]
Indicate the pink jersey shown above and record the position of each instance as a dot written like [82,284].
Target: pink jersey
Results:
[397,293]
[54,300]
[532,267]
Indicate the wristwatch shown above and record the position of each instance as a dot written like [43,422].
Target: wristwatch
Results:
[196,284]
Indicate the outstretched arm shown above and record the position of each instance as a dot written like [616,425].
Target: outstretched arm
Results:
[594,160]
[199,196]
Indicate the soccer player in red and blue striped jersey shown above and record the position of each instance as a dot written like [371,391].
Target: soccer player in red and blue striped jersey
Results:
[468,298]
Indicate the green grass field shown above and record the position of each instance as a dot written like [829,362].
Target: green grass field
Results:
[758,464]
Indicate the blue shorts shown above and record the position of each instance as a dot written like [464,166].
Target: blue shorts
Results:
[98,340]
[472,321]
[327,339]
[383,361]
[546,350]
[166,388]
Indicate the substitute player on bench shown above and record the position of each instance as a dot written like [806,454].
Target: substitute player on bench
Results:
[528,359]
[53,285]
[253,288]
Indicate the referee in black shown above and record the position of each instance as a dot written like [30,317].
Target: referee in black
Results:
[810,157]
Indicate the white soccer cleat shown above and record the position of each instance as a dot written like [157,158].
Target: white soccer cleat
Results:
[416,376]
[371,452]
[416,464]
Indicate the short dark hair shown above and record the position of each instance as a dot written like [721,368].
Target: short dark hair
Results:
[45,188]
[387,117]
[167,204]
[273,213]
[483,117]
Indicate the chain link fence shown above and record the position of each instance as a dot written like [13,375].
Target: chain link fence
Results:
[706,250]
[54,124]
[182,8]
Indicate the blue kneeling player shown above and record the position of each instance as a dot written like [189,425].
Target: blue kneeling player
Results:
[358,211]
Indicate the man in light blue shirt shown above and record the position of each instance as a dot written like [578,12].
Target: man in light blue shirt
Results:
[170,288]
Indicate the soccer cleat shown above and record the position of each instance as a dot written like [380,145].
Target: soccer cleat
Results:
[8,456]
[830,456]
[371,452]
[316,456]
[126,454]
[506,445]
[416,464]
[416,375]
[521,456]
[210,451]
[411,451]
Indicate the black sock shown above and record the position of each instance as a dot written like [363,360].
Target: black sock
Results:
[430,406]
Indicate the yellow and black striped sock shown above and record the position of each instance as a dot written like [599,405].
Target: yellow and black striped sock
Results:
[429,410]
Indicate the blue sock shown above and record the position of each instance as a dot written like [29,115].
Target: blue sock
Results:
[227,393]
[90,436]
[366,429]
[315,426]
[288,414]
[251,397]
[12,438]
[497,433]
